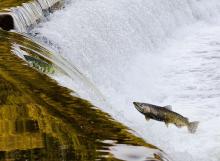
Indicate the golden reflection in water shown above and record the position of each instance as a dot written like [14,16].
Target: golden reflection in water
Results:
[41,121]
[5,4]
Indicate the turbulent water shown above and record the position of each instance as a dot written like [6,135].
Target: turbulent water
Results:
[155,51]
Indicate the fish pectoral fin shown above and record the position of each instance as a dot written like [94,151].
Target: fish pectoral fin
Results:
[167,124]
[177,125]
[169,107]
[147,118]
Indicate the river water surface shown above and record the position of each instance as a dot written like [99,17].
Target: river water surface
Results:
[148,51]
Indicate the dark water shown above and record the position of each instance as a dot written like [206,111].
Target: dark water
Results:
[41,121]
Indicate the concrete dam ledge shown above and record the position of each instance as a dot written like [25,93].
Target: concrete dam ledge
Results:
[26,14]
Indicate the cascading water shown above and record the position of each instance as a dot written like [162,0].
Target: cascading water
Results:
[28,14]
[155,51]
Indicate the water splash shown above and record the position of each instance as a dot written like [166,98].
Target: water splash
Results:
[115,44]
[41,120]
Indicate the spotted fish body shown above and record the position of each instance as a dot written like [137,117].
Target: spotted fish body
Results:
[165,114]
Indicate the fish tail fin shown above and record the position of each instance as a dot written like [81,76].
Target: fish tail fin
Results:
[193,126]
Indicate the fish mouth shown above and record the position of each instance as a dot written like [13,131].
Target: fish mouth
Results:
[137,105]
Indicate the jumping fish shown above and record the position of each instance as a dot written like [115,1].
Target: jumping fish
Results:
[166,115]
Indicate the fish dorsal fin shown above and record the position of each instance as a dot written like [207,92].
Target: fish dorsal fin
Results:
[169,107]
[147,118]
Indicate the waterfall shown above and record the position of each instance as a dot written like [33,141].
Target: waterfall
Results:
[28,14]
[153,51]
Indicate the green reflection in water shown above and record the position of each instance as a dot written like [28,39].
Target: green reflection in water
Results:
[41,121]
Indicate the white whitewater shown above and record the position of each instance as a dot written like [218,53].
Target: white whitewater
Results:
[155,51]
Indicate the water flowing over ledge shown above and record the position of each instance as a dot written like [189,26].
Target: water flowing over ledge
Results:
[111,42]
[26,15]
[37,125]
[41,120]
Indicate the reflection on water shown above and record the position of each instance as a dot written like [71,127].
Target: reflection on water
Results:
[11,3]
[41,121]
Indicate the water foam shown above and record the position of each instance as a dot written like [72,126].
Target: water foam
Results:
[113,43]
